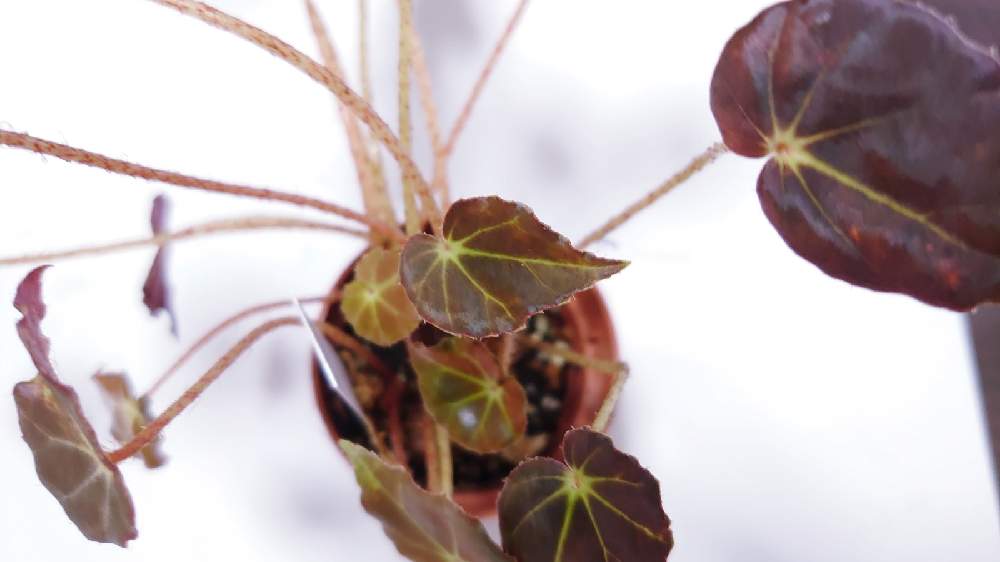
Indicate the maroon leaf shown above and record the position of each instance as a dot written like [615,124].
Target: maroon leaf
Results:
[129,415]
[880,120]
[495,266]
[463,390]
[424,527]
[68,459]
[156,289]
[598,507]
[978,19]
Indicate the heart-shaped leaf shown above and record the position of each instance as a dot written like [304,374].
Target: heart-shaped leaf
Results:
[156,289]
[424,527]
[375,303]
[68,459]
[495,266]
[599,506]
[129,415]
[463,389]
[881,122]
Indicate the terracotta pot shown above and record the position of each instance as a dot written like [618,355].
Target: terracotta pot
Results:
[589,331]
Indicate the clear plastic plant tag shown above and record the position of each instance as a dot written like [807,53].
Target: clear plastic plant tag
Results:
[330,364]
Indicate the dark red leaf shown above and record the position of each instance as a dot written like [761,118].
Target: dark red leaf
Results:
[68,459]
[600,506]
[978,19]
[881,123]
[156,289]
[495,266]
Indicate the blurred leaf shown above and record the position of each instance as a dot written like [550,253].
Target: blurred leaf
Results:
[129,415]
[463,390]
[599,506]
[156,289]
[68,458]
[375,303]
[496,266]
[881,123]
[424,527]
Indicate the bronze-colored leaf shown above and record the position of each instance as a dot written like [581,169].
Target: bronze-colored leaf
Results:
[463,390]
[375,303]
[598,507]
[129,415]
[495,266]
[881,123]
[156,289]
[424,527]
[68,459]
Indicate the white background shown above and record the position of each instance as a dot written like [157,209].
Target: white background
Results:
[788,416]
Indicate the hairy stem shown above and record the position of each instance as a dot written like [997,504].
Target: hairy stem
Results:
[439,181]
[215,331]
[413,218]
[373,187]
[149,433]
[366,76]
[80,156]
[214,227]
[603,417]
[699,163]
[567,354]
[484,75]
[314,70]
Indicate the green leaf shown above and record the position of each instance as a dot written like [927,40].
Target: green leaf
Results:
[68,459]
[494,267]
[598,507]
[424,527]
[463,390]
[375,303]
[129,415]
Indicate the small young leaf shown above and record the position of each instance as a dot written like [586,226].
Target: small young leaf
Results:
[602,506]
[424,527]
[881,123]
[464,390]
[156,289]
[496,265]
[375,303]
[129,415]
[68,459]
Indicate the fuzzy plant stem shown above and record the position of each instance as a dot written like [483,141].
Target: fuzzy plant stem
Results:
[149,433]
[439,181]
[214,332]
[699,163]
[484,75]
[411,212]
[208,228]
[617,370]
[80,156]
[370,179]
[318,73]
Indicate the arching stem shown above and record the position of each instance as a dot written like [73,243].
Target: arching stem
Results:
[699,163]
[149,433]
[317,72]
[214,332]
[205,229]
[80,156]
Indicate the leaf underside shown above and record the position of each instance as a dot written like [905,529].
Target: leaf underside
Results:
[424,527]
[375,303]
[156,289]
[600,506]
[68,459]
[129,415]
[881,123]
[463,389]
[495,266]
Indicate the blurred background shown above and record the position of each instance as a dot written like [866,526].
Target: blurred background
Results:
[787,415]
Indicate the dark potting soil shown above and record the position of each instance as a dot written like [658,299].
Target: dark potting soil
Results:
[382,391]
